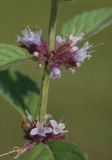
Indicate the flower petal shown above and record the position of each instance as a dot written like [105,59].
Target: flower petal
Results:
[60,41]
[48,130]
[34,132]
[61,126]
[53,123]
[56,130]
[75,39]
[55,73]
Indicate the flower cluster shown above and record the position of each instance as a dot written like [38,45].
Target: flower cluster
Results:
[44,133]
[67,53]
[36,132]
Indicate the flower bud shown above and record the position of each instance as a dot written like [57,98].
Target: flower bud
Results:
[55,73]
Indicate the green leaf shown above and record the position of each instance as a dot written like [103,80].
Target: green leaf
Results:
[66,151]
[20,91]
[58,150]
[42,152]
[10,54]
[89,22]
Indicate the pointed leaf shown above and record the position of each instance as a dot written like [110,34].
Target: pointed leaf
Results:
[42,152]
[10,54]
[58,150]
[66,151]
[20,91]
[88,22]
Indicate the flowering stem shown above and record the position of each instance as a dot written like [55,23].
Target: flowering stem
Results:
[45,78]
[44,95]
[52,24]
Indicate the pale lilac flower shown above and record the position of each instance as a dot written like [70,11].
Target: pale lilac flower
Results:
[58,128]
[40,130]
[75,39]
[60,41]
[30,37]
[81,54]
[68,53]
[55,73]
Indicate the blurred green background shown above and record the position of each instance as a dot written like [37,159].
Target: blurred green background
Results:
[83,99]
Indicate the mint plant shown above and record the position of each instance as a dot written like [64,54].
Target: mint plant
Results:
[46,138]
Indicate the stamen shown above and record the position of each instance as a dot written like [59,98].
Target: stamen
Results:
[92,51]
[98,45]
[31,33]
[8,153]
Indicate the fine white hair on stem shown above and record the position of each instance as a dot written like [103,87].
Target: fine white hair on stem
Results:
[48,116]
[29,117]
